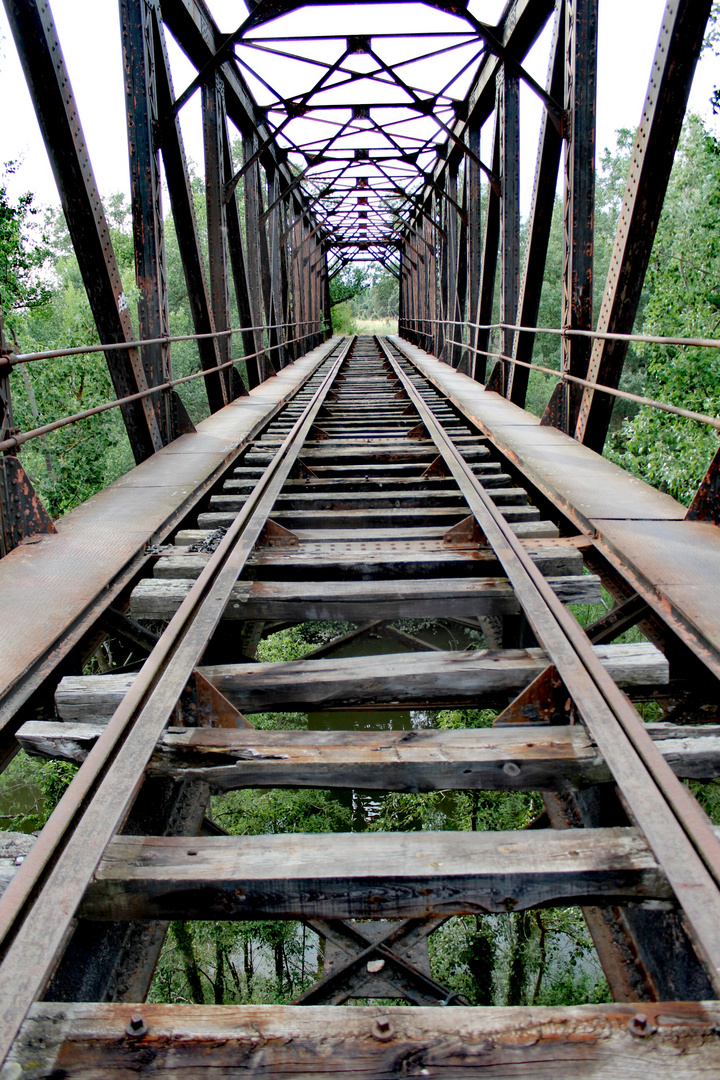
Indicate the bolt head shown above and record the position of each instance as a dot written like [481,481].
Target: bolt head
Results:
[382,1029]
[137,1026]
[640,1026]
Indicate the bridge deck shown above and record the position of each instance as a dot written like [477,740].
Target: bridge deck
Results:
[672,563]
[52,588]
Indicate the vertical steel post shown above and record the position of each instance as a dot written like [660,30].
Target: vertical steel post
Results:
[541,213]
[579,207]
[509,110]
[150,273]
[489,256]
[183,209]
[213,117]
[678,48]
[37,43]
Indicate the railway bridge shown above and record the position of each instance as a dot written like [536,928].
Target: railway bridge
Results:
[361,481]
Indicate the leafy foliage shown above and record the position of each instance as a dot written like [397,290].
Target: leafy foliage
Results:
[683,300]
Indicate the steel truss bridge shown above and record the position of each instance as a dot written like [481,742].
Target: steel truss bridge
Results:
[365,481]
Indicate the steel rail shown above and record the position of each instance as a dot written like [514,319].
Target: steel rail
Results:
[15,441]
[675,826]
[37,910]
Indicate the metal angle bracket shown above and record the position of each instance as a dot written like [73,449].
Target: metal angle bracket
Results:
[496,381]
[545,701]
[467,533]
[182,424]
[202,705]
[706,503]
[276,536]
[557,409]
[436,468]
[22,513]
[317,433]
[418,432]
[301,471]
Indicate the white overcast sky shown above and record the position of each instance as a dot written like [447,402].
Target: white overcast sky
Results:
[90,38]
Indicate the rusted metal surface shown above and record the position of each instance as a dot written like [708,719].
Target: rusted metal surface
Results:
[22,514]
[545,701]
[676,828]
[706,503]
[70,848]
[52,591]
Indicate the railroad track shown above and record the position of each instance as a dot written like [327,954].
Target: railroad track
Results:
[367,499]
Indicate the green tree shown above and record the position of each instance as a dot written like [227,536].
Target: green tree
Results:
[683,300]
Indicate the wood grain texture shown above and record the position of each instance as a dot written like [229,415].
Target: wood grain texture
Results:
[338,600]
[420,559]
[443,678]
[370,875]
[229,1042]
[545,759]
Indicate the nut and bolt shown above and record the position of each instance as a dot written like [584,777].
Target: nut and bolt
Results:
[640,1026]
[382,1029]
[137,1026]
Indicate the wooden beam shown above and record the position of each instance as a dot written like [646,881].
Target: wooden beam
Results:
[488,759]
[266,601]
[427,679]
[232,1041]
[370,875]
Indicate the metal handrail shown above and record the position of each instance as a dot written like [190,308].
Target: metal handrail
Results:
[80,350]
[567,332]
[15,441]
[564,376]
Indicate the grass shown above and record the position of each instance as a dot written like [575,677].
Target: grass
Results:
[376,326]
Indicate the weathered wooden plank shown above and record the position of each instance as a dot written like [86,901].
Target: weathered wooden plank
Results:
[270,1041]
[432,598]
[444,678]
[554,561]
[412,517]
[526,530]
[549,759]
[370,875]
[376,500]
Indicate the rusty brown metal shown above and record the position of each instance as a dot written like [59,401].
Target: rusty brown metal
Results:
[22,514]
[277,536]
[545,701]
[466,534]
[706,503]
[202,705]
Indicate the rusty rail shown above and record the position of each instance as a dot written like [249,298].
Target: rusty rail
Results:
[676,828]
[38,907]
